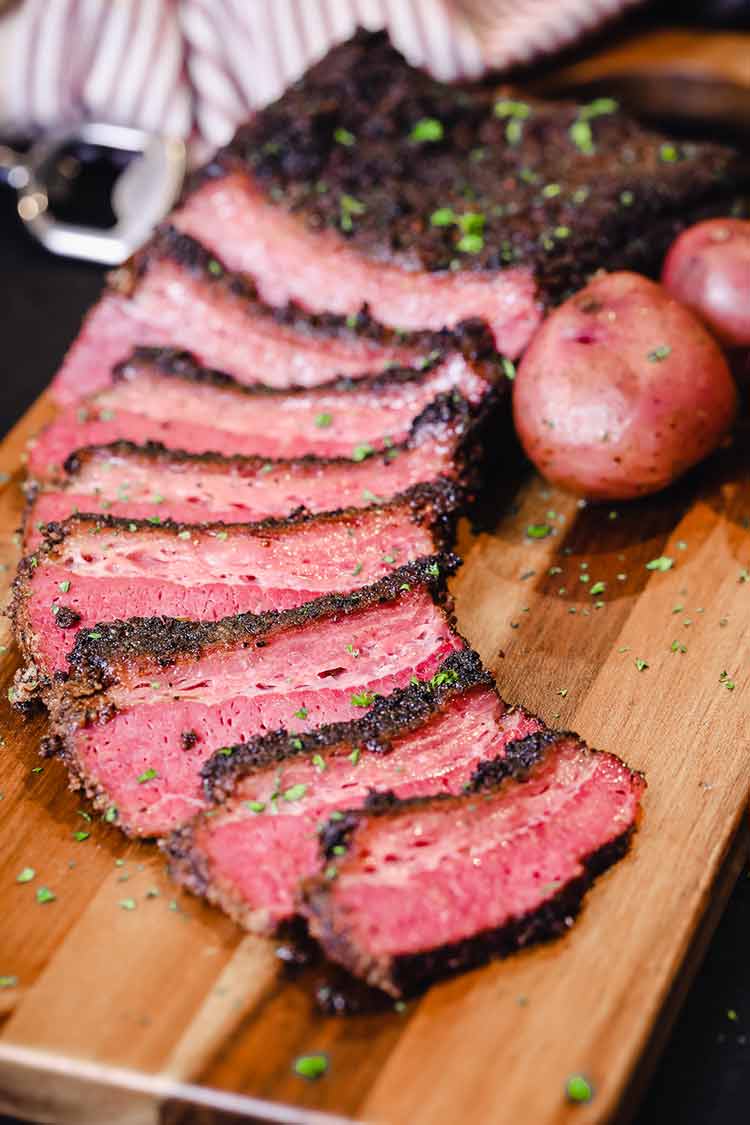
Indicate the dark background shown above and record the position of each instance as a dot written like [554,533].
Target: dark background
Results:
[704,1075]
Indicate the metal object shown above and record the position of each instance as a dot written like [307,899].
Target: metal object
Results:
[141,197]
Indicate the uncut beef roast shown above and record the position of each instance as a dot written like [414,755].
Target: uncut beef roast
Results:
[154,483]
[272,794]
[412,890]
[368,183]
[175,293]
[149,699]
[162,395]
[99,568]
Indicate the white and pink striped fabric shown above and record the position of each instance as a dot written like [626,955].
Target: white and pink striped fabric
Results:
[198,67]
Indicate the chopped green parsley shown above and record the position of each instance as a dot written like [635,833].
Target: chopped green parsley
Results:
[362,699]
[344,137]
[641,665]
[25,875]
[127,904]
[578,1089]
[301,713]
[428,129]
[659,354]
[443,217]
[538,530]
[294,792]
[311,1066]
[44,894]
[147,775]
[255,806]
[663,563]
[362,452]
[323,421]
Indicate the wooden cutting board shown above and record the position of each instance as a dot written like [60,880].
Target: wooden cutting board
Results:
[165,1012]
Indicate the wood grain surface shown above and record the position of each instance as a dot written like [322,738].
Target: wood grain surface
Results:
[168,1013]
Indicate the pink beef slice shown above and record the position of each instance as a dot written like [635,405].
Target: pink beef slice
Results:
[427,887]
[148,700]
[165,396]
[370,183]
[94,569]
[272,794]
[150,482]
[175,293]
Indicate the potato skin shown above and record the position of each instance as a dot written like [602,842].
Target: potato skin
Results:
[708,270]
[621,390]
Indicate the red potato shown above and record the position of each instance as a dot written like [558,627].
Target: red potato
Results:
[621,390]
[708,269]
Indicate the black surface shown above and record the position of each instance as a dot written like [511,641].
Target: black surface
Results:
[704,1075]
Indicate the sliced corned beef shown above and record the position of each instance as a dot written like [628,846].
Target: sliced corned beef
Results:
[417,889]
[176,294]
[150,482]
[94,569]
[149,699]
[370,183]
[260,839]
[165,396]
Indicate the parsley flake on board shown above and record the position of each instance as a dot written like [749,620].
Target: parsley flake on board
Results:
[538,531]
[25,875]
[311,1066]
[641,665]
[8,982]
[598,588]
[44,894]
[79,837]
[578,1089]
[127,904]
[663,563]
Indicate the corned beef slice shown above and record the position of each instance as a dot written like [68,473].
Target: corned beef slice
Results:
[369,183]
[148,700]
[432,886]
[150,482]
[175,293]
[95,569]
[164,395]
[274,792]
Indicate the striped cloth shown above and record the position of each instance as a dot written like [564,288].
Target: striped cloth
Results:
[197,67]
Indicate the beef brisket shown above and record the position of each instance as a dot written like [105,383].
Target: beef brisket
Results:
[174,293]
[164,395]
[259,841]
[419,888]
[99,568]
[138,687]
[151,482]
[370,183]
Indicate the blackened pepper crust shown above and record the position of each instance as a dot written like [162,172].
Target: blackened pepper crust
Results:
[182,365]
[471,337]
[434,506]
[409,974]
[388,717]
[563,189]
[98,658]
